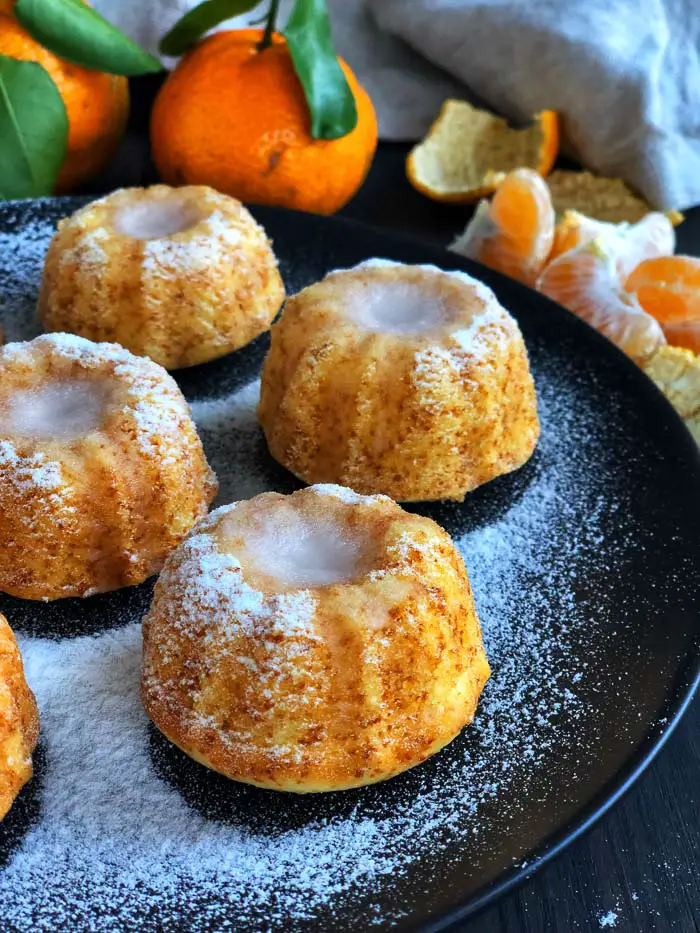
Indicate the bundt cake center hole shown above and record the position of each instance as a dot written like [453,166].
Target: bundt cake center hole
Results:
[62,410]
[297,550]
[398,307]
[152,219]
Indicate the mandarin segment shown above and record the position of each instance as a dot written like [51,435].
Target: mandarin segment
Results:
[586,281]
[467,152]
[512,234]
[668,288]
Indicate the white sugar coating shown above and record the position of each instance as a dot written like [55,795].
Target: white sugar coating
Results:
[114,381]
[153,218]
[296,549]
[33,471]
[345,494]
[471,339]
[207,578]
[211,243]
[396,308]
[62,410]
[480,289]
[111,826]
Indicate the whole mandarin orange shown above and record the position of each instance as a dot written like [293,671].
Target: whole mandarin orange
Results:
[97,104]
[235,117]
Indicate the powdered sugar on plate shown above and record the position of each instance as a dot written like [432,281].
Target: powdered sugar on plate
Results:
[133,835]
[22,254]
[111,826]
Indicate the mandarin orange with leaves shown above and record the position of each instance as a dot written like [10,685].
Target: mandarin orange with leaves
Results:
[233,115]
[97,104]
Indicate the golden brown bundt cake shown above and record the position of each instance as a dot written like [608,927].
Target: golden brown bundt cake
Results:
[313,642]
[182,275]
[19,721]
[102,472]
[402,380]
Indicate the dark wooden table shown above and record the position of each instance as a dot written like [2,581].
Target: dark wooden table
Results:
[638,870]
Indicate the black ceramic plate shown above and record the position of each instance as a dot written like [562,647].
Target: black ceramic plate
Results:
[586,571]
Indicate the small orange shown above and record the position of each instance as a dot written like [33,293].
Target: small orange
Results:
[586,281]
[668,288]
[234,117]
[97,104]
[512,233]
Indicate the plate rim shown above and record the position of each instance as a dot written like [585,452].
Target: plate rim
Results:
[686,675]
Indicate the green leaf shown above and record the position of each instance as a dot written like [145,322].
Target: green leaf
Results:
[331,102]
[188,30]
[33,130]
[80,35]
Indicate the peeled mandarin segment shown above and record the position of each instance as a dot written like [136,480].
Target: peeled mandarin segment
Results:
[668,288]
[651,237]
[575,229]
[513,234]
[630,244]
[676,371]
[586,282]
[467,151]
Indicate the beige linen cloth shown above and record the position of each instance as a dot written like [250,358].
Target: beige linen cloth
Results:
[625,74]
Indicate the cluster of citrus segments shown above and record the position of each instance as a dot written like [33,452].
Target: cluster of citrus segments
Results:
[589,243]
[618,275]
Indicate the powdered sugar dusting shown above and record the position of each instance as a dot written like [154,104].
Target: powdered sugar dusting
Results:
[409,307]
[24,247]
[480,289]
[33,471]
[523,574]
[209,243]
[206,582]
[130,834]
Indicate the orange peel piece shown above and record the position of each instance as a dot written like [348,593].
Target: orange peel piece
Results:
[467,152]
[599,198]
[676,371]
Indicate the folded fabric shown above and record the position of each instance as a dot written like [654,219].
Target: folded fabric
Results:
[625,75]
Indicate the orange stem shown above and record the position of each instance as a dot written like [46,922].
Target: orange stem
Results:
[270,25]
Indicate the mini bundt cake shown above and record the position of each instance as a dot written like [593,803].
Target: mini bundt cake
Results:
[102,472]
[19,721]
[402,380]
[183,275]
[313,642]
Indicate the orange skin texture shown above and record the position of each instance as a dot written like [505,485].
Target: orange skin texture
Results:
[97,104]
[668,288]
[236,118]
